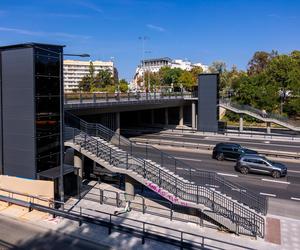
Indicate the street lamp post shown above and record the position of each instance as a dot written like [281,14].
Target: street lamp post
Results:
[143,38]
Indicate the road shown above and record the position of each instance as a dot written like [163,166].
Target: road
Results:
[284,188]
[16,234]
[277,145]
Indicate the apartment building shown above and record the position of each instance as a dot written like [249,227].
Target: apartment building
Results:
[75,70]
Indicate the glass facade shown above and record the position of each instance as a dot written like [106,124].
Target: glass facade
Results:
[47,106]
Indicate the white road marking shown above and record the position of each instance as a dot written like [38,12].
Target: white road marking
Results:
[295,199]
[187,159]
[215,138]
[167,135]
[294,171]
[282,182]
[232,175]
[239,190]
[266,194]
[267,142]
[214,186]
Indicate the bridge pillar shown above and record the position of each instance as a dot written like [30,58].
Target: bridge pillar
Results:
[118,122]
[166,116]
[181,116]
[194,116]
[129,188]
[241,124]
[78,164]
[268,127]
[152,116]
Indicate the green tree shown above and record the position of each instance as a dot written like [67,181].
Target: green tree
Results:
[103,79]
[260,61]
[217,67]
[187,80]
[196,71]
[123,85]
[88,81]
[169,76]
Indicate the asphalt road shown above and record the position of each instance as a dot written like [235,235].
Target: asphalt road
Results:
[16,234]
[277,145]
[285,188]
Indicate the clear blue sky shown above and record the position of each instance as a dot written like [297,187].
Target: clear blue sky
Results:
[198,30]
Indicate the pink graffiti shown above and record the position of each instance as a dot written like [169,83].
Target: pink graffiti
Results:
[165,194]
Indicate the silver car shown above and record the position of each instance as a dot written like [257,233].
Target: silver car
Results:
[260,164]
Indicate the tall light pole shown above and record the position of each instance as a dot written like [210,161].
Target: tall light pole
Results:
[148,51]
[143,39]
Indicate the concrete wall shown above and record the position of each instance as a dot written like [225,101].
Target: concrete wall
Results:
[39,188]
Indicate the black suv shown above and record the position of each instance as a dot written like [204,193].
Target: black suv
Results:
[230,151]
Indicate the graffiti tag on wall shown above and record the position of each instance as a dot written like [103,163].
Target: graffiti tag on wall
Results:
[165,194]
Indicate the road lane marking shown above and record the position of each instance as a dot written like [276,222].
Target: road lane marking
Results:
[267,142]
[213,186]
[215,138]
[266,194]
[282,182]
[239,190]
[187,159]
[232,175]
[294,171]
[295,199]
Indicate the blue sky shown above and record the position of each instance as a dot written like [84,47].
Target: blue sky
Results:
[198,30]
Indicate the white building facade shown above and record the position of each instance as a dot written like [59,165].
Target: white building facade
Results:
[154,65]
[75,70]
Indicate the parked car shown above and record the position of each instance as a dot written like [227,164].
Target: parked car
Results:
[230,151]
[260,164]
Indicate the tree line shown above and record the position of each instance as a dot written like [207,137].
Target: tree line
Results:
[271,82]
[170,77]
[102,81]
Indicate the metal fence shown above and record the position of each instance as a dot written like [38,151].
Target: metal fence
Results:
[153,155]
[221,205]
[134,227]
[80,98]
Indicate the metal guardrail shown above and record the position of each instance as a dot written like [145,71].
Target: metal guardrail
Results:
[140,204]
[142,229]
[145,141]
[84,98]
[218,203]
[248,198]
[258,114]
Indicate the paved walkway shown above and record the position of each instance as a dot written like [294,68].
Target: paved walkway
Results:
[282,232]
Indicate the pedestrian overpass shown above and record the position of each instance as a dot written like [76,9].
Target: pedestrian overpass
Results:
[259,115]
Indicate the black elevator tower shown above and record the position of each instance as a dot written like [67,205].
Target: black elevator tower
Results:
[31,113]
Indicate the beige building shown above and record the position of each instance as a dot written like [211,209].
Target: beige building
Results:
[75,70]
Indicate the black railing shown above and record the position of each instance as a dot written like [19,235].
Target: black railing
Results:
[204,178]
[186,191]
[134,227]
[86,97]
[255,111]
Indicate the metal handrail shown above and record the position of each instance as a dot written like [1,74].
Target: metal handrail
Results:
[89,97]
[148,152]
[140,226]
[256,111]
[217,202]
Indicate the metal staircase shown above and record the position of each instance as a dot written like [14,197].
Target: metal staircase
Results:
[98,143]
[258,114]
